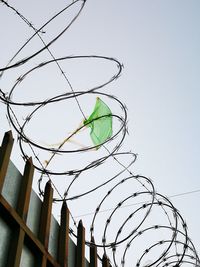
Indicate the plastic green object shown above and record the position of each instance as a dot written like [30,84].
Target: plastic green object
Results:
[100,122]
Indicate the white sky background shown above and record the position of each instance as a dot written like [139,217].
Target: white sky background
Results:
[158,43]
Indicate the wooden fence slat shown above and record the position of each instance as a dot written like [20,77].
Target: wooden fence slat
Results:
[5,151]
[93,254]
[63,242]
[80,250]
[25,190]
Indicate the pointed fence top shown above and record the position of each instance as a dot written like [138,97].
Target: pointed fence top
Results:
[30,160]
[9,134]
[64,205]
[48,185]
[8,137]
[80,224]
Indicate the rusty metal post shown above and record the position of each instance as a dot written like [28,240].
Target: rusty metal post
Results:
[93,253]
[45,219]
[63,242]
[5,151]
[80,250]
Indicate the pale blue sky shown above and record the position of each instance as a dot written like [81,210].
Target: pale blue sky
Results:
[158,42]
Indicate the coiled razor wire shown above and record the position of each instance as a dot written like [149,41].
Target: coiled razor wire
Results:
[153,232]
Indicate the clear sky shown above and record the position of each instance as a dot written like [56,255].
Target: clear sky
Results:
[158,42]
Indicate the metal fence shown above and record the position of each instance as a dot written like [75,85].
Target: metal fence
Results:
[24,245]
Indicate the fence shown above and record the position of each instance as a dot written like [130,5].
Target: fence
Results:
[29,234]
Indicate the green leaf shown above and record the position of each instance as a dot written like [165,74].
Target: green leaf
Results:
[100,122]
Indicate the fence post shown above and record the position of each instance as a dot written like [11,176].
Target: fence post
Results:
[5,151]
[22,210]
[63,242]
[45,218]
[93,253]
[80,250]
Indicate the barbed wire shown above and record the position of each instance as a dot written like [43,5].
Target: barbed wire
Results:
[173,244]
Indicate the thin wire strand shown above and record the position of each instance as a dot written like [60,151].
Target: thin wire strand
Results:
[138,203]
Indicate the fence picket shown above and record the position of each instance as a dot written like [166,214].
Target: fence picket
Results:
[45,216]
[80,250]
[93,254]
[45,220]
[63,243]
[5,151]
[25,190]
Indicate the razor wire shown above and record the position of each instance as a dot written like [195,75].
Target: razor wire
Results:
[156,224]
